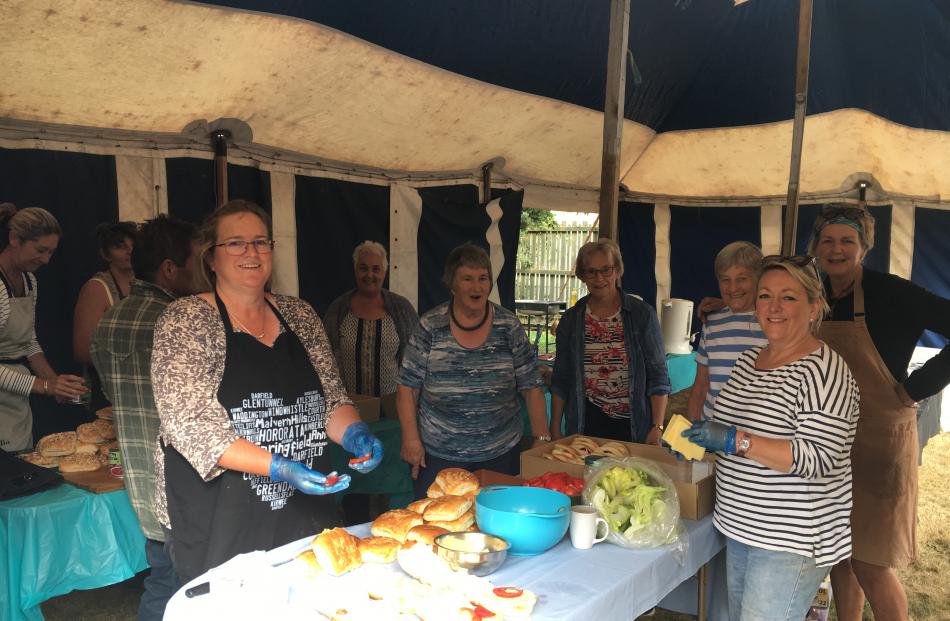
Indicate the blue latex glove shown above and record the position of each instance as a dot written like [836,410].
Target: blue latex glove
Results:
[360,441]
[712,436]
[303,478]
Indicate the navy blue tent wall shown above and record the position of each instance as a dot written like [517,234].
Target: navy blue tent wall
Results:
[191,187]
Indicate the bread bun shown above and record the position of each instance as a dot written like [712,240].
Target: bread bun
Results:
[337,551]
[79,462]
[105,413]
[38,459]
[395,524]
[84,448]
[458,525]
[447,508]
[88,434]
[584,445]
[419,506]
[57,444]
[435,490]
[562,452]
[378,549]
[425,534]
[614,449]
[104,428]
[457,482]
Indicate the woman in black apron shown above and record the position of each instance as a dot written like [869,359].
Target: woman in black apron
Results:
[277,403]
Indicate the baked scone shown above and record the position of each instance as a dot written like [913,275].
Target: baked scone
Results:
[378,549]
[88,434]
[446,508]
[458,525]
[39,460]
[419,506]
[395,524]
[457,482]
[425,534]
[79,462]
[104,428]
[337,551]
[57,444]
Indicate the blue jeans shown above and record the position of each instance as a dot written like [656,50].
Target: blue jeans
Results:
[765,585]
[161,583]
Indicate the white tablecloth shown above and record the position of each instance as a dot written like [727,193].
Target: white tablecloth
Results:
[605,583]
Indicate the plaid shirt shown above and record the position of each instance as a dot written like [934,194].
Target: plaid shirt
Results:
[122,352]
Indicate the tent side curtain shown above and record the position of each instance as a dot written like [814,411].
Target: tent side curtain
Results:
[931,257]
[333,217]
[80,191]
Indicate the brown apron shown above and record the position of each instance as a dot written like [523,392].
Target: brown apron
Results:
[884,455]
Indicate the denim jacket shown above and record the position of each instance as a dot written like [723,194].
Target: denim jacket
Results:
[646,364]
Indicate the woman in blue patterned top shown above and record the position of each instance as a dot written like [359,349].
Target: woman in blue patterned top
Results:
[461,373]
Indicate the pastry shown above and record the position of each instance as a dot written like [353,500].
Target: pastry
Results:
[419,506]
[425,534]
[378,549]
[457,482]
[57,444]
[447,508]
[395,524]
[457,525]
[337,551]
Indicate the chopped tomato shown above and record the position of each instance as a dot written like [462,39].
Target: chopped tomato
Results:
[507,592]
[359,460]
[483,613]
[331,480]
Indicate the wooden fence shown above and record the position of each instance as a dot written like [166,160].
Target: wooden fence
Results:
[545,269]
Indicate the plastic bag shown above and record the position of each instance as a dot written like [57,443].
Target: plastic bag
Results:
[648,517]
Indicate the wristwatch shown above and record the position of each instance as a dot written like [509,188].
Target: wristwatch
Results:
[660,427]
[743,444]
[543,437]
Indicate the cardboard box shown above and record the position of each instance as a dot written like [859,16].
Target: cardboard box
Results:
[695,481]
[368,407]
[490,477]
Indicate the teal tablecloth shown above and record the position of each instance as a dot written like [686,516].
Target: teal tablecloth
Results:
[63,539]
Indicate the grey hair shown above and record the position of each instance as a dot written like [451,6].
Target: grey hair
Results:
[608,246]
[467,255]
[807,277]
[739,253]
[371,247]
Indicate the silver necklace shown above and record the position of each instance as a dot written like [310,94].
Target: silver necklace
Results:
[246,331]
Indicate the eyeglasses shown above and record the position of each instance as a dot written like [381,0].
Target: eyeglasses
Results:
[594,272]
[238,247]
[798,260]
[833,212]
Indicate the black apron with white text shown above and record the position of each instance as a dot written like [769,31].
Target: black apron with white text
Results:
[275,400]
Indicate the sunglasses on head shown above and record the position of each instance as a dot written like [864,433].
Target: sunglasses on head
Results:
[833,212]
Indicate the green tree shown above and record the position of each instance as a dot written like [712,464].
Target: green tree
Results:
[535,219]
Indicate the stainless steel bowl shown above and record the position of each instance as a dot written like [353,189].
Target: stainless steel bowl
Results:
[479,553]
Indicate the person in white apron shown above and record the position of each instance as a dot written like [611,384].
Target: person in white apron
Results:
[29,238]
[874,324]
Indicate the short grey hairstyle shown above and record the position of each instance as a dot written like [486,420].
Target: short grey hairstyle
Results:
[467,255]
[371,247]
[739,253]
[609,247]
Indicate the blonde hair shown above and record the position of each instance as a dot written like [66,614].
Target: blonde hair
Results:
[370,247]
[27,224]
[606,245]
[807,277]
[741,253]
[208,237]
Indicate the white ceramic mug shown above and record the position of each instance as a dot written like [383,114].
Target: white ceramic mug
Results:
[584,526]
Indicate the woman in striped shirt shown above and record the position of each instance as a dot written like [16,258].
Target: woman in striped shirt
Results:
[783,424]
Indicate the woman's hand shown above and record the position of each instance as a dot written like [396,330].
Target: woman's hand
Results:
[306,480]
[653,437]
[709,305]
[65,388]
[712,436]
[368,449]
[414,454]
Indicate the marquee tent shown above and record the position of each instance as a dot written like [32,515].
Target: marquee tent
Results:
[373,119]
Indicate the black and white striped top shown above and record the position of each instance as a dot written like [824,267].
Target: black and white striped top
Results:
[813,402]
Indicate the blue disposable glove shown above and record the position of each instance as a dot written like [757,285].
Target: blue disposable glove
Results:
[306,480]
[360,441]
[712,436]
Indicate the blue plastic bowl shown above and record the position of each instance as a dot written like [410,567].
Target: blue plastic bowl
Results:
[531,519]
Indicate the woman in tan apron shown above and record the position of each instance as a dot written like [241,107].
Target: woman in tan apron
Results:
[28,238]
[884,454]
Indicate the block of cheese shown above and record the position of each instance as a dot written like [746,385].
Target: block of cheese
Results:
[677,425]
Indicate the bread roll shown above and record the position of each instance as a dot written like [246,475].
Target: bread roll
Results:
[88,434]
[84,448]
[614,449]
[435,490]
[395,524]
[562,452]
[105,412]
[378,549]
[584,445]
[79,462]
[457,482]
[425,534]
[447,508]
[38,459]
[57,444]
[419,506]
[104,428]
[337,551]
[458,525]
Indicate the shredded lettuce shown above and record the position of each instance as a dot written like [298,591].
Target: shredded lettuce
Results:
[625,498]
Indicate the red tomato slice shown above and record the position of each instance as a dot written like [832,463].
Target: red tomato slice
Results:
[483,613]
[507,592]
[359,460]
[331,480]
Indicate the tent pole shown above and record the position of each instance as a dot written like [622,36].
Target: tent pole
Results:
[798,127]
[220,139]
[613,116]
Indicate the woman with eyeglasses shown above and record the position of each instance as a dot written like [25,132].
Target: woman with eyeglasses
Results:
[875,322]
[610,378]
[783,425]
[463,369]
[248,395]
